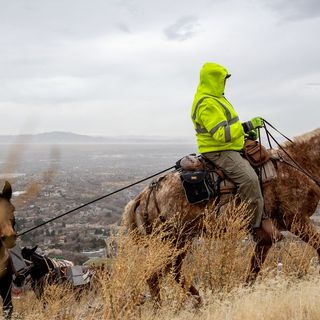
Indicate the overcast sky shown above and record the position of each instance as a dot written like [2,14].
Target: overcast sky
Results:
[131,67]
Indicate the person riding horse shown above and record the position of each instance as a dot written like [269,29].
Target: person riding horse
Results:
[220,138]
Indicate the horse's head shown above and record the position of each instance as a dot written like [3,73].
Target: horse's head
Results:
[41,265]
[8,234]
[29,253]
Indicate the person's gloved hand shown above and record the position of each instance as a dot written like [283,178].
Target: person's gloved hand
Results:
[253,134]
[256,122]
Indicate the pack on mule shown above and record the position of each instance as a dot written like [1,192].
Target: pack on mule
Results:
[42,270]
[7,240]
[290,199]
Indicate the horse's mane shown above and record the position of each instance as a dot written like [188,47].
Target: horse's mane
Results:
[303,139]
[305,149]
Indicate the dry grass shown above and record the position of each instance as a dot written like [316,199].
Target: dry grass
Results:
[217,264]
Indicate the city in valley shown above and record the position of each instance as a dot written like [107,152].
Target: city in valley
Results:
[50,179]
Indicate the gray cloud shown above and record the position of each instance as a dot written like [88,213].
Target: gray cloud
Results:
[123,27]
[296,9]
[184,29]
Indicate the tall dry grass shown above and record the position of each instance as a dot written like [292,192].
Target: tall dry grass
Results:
[217,263]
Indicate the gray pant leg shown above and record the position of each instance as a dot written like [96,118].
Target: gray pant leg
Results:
[243,175]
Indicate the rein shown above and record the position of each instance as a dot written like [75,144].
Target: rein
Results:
[294,163]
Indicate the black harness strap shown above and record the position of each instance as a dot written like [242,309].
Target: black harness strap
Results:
[146,221]
[152,190]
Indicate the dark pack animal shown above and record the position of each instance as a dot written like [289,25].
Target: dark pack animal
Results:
[41,271]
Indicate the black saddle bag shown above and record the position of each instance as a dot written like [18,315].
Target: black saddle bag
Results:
[196,186]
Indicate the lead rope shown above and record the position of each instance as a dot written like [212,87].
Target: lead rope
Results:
[93,201]
[8,294]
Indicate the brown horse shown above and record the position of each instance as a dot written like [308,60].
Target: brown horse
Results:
[7,241]
[290,200]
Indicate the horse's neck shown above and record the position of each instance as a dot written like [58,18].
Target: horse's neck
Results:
[4,254]
[307,155]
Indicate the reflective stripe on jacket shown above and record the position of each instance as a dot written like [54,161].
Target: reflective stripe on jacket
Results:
[216,123]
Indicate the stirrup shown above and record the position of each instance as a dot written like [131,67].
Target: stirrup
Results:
[267,233]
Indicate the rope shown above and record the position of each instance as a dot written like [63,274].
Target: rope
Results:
[7,296]
[267,134]
[93,201]
[274,128]
[295,164]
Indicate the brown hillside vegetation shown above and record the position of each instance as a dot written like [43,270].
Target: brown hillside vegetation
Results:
[288,287]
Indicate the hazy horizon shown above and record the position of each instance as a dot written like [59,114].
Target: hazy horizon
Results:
[97,136]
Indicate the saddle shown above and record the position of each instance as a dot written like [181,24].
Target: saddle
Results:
[201,180]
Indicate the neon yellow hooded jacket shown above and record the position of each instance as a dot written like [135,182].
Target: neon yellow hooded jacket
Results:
[217,124]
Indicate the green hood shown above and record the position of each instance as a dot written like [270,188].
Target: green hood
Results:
[212,80]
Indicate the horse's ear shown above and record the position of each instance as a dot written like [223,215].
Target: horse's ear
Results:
[34,249]
[7,191]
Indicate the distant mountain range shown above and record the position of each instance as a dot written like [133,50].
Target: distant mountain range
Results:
[73,138]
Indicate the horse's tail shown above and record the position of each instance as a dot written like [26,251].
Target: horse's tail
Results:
[129,214]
